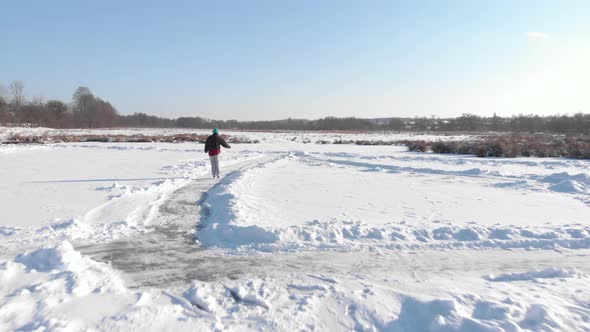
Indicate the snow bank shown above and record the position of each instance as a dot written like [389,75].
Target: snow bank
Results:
[348,235]
[49,259]
[437,316]
[218,227]
[486,316]
[358,306]
[536,274]
[84,275]
[36,286]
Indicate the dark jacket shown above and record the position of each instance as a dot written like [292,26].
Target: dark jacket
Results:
[214,143]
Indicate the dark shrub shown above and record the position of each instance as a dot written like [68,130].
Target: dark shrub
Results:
[495,149]
[578,148]
[464,148]
[515,145]
[417,146]
[480,150]
[444,147]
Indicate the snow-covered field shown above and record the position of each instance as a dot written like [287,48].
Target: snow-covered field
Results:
[294,236]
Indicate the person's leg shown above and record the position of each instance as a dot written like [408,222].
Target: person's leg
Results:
[213,165]
[217,165]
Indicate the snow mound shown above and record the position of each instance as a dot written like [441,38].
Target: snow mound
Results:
[48,259]
[569,184]
[450,315]
[218,299]
[535,274]
[437,316]
[38,284]
[203,296]
[539,318]
[8,231]
[492,311]
[68,230]
[83,275]
[564,176]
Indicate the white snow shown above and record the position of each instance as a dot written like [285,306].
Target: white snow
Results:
[535,274]
[295,236]
[308,199]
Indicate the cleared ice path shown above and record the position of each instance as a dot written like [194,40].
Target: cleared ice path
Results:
[146,263]
[167,255]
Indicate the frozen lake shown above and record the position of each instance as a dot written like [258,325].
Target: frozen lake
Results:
[293,236]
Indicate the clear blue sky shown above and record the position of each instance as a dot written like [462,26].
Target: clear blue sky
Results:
[304,59]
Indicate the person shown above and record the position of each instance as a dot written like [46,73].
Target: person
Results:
[213,147]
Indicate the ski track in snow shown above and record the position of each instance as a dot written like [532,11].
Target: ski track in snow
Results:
[185,251]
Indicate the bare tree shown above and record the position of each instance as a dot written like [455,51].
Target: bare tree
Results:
[105,114]
[5,115]
[58,115]
[16,91]
[83,106]
[3,91]
[38,100]
[81,98]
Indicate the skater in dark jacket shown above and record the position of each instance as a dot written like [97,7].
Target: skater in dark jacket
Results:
[213,147]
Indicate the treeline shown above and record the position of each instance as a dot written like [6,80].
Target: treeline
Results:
[577,123]
[85,111]
[89,111]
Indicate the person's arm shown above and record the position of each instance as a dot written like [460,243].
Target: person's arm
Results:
[224,143]
[207,145]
